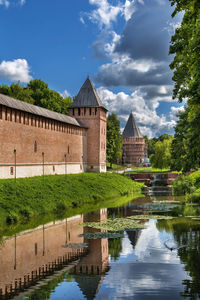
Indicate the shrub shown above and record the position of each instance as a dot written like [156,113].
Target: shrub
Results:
[183,185]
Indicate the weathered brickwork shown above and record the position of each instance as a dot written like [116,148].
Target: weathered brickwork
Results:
[134,145]
[134,149]
[95,120]
[49,143]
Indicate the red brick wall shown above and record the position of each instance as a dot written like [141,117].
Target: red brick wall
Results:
[31,135]
[95,120]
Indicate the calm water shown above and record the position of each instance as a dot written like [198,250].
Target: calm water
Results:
[138,264]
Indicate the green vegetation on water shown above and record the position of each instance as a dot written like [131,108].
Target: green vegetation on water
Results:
[59,195]
[117,224]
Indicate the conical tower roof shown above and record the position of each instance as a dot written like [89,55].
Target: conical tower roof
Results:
[87,96]
[131,129]
[89,284]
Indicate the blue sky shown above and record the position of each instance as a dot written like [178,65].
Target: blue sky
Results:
[122,45]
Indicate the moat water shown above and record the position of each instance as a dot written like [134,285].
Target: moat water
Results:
[57,261]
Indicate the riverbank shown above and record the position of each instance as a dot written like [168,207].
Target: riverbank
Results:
[29,197]
[188,185]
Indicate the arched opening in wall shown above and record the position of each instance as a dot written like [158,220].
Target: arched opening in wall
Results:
[95,111]
[73,111]
[79,111]
[84,111]
[90,111]
[35,147]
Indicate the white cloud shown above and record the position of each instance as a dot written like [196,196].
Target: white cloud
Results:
[129,9]
[150,123]
[65,94]
[6,3]
[82,20]
[22,2]
[173,113]
[105,13]
[16,70]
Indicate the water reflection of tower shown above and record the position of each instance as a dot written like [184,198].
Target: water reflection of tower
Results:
[91,268]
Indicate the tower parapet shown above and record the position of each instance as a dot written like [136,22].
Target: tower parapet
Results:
[88,109]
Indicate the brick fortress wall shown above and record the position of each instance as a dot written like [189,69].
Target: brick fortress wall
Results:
[31,135]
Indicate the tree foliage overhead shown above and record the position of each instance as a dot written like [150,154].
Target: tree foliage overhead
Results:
[38,93]
[114,139]
[185,45]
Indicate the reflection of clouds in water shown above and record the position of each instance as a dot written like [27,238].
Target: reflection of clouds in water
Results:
[127,248]
[150,245]
[157,274]
[148,239]
[140,280]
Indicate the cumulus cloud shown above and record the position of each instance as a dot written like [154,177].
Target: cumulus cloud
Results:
[129,9]
[174,111]
[104,14]
[139,56]
[145,112]
[16,70]
[65,94]
[137,60]
[5,3]
[144,35]
[123,70]
[22,2]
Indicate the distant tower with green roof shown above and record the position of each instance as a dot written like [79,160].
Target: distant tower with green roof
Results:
[134,145]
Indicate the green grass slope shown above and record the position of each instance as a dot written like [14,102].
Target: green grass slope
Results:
[30,197]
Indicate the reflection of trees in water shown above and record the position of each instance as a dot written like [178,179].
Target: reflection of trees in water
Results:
[186,232]
[45,291]
[115,247]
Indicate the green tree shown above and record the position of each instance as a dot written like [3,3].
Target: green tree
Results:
[47,98]
[17,91]
[185,46]
[162,156]
[38,93]
[180,148]
[114,139]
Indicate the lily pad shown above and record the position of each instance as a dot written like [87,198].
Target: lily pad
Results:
[101,235]
[115,224]
[149,217]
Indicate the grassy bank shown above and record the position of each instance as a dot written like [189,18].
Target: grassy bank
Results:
[115,167]
[30,197]
[188,185]
[148,170]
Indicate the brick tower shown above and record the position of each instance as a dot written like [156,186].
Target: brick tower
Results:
[89,111]
[134,145]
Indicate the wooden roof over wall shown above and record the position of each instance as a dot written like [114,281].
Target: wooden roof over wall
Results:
[36,110]
[87,96]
